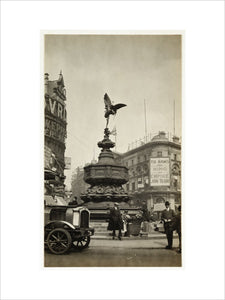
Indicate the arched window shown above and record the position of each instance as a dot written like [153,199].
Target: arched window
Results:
[160,200]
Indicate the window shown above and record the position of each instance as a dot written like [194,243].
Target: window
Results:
[132,162]
[175,157]
[133,186]
[138,159]
[160,200]
[139,180]
[175,183]
[159,153]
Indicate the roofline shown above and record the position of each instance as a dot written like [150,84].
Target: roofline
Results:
[150,144]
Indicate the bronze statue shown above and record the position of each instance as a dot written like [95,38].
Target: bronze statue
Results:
[111,109]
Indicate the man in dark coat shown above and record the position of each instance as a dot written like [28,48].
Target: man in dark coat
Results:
[176,225]
[115,220]
[167,216]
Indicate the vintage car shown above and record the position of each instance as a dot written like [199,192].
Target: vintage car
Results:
[66,227]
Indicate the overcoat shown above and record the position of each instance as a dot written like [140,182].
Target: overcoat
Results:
[176,223]
[115,219]
[167,214]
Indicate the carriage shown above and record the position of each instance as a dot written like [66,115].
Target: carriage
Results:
[66,227]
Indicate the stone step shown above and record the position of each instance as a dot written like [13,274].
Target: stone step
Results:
[98,225]
[104,225]
[102,233]
[100,228]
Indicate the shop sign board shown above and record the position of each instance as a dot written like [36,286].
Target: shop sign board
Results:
[160,171]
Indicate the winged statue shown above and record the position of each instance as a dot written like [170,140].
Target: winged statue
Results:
[111,109]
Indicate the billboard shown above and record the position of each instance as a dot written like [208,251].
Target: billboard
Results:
[160,171]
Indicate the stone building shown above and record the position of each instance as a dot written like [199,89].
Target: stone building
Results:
[154,172]
[55,135]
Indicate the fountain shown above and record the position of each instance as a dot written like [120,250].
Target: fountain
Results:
[106,177]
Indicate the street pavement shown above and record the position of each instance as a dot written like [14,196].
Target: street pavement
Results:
[129,252]
[150,242]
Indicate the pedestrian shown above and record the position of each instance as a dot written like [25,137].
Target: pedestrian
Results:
[115,221]
[167,216]
[176,225]
[126,218]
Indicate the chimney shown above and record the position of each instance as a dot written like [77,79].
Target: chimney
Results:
[46,83]
[175,139]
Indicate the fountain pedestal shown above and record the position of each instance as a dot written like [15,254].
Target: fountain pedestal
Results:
[106,179]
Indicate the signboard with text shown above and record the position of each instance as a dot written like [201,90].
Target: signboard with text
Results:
[160,171]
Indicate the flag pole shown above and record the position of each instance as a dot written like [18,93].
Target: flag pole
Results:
[145,121]
[174,117]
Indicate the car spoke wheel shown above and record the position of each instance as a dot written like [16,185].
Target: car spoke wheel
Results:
[59,241]
[82,242]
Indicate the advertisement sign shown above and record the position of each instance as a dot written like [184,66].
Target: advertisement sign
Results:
[159,206]
[160,171]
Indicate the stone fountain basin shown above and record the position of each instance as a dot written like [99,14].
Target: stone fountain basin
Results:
[105,174]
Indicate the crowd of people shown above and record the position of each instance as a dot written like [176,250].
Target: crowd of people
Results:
[172,222]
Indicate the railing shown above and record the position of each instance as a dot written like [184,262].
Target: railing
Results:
[148,138]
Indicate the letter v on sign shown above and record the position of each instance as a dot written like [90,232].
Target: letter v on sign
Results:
[52,106]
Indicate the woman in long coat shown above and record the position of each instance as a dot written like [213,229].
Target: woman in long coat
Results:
[115,220]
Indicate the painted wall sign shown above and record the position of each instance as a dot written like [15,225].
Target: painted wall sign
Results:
[55,130]
[160,171]
[56,107]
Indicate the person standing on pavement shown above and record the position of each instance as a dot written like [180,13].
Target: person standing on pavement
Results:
[176,225]
[167,216]
[126,218]
[115,221]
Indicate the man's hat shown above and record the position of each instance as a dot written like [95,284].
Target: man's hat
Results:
[167,203]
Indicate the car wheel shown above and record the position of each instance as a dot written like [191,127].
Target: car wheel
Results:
[82,243]
[59,241]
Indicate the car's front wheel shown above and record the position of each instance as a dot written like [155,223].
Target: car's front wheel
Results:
[59,241]
[82,243]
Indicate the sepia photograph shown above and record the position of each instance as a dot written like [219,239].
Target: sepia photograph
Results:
[112,149]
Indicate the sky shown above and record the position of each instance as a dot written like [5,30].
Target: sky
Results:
[139,70]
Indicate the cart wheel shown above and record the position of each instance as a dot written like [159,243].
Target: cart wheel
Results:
[82,242]
[59,241]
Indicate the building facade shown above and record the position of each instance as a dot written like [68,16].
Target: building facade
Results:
[55,135]
[154,172]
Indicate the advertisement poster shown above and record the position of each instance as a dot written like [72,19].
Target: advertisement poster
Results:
[160,171]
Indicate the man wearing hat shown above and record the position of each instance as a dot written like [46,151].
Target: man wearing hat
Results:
[115,220]
[167,215]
